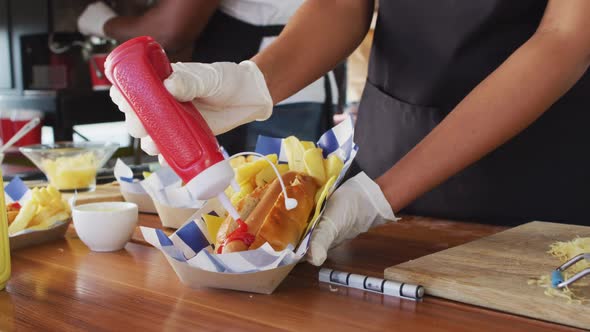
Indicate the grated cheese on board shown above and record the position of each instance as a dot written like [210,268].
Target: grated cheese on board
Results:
[564,251]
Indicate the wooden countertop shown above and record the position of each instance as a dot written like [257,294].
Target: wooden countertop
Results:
[63,286]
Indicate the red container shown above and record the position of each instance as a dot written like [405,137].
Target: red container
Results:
[97,73]
[138,67]
[11,121]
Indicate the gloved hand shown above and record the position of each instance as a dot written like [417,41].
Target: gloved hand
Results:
[227,95]
[92,20]
[356,206]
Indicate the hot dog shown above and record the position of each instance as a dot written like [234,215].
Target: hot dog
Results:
[269,220]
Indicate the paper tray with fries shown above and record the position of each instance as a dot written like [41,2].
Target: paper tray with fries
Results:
[190,250]
[35,216]
[163,189]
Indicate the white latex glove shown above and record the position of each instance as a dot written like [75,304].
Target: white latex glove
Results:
[356,206]
[92,20]
[227,95]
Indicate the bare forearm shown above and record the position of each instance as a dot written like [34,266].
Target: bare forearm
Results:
[505,103]
[174,24]
[320,35]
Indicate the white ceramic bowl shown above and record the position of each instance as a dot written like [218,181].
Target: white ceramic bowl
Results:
[105,226]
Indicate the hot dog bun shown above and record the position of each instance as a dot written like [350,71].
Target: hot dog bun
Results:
[244,207]
[271,222]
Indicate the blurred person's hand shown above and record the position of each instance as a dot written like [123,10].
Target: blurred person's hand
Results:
[356,206]
[92,20]
[227,95]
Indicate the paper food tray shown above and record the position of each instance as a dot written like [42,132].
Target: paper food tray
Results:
[173,217]
[263,282]
[190,251]
[164,192]
[143,200]
[17,191]
[171,201]
[33,238]
[131,188]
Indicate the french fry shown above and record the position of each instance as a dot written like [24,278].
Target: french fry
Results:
[50,221]
[54,192]
[42,196]
[44,209]
[283,168]
[333,165]
[307,145]
[26,214]
[236,197]
[294,151]
[213,223]
[320,198]
[229,191]
[314,164]
[237,161]
[45,212]
[245,189]
[266,175]
[247,172]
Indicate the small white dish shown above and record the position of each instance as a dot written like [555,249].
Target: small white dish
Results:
[105,226]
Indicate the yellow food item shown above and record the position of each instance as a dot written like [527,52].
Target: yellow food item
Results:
[565,251]
[146,174]
[314,164]
[213,223]
[247,172]
[45,224]
[320,197]
[68,173]
[307,145]
[267,174]
[333,166]
[45,207]
[245,189]
[294,151]
[237,161]
[24,217]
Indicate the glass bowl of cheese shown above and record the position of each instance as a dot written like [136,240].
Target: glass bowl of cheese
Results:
[70,166]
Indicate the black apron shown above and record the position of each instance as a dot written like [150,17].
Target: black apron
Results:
[426,57]
[226,38]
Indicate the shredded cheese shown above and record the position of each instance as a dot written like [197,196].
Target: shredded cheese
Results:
[564,251]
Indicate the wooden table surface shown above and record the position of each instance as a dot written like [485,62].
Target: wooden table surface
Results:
[63,286]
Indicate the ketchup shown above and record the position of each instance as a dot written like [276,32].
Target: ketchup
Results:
[14,205]
[239,234]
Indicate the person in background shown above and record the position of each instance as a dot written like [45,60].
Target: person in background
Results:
[357,66]
[224,31]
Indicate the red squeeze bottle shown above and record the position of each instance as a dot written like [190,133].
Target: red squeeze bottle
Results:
[138,68]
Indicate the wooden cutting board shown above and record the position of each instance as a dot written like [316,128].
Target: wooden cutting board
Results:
[492,272]
[103,193]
